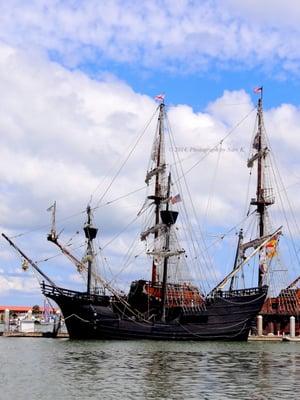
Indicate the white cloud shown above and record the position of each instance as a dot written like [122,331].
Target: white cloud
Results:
[180,35]
[18,284]
[61,133]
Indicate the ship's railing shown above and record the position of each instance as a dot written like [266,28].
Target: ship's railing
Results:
[239,292]
[49,290]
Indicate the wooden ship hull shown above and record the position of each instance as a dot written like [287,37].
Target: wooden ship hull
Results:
[226,316]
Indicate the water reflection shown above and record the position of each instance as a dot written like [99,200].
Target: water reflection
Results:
[145,370]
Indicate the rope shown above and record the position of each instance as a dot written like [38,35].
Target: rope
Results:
[126,159]
[212,186]
[217,144]
[213,336]
[77,316]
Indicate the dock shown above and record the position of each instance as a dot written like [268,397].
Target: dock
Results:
[265,338]
[36,334]
[273,338]
[291,339]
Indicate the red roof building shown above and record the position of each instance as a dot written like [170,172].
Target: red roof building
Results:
[22,309]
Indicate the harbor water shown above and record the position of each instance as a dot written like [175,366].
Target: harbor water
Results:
[44,369]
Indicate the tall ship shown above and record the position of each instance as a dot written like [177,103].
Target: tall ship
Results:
[166,305]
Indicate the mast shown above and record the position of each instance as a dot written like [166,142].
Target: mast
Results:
[163,218]
[82,267]
[90,234]
[261,204]
[237,257]
[165,270]
[157,186]
[245,260]
[158,171]
[264,196]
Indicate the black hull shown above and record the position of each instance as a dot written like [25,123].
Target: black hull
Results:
[227,316]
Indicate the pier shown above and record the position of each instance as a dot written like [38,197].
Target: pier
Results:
[35,334]
[265,335]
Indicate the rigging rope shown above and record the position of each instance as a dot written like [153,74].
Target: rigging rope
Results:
[275,167]
[194,243]
[212,186]
[127,157]
[217,144]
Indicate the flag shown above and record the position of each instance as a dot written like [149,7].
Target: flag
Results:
[271,244]
[176,199]
[271,248]
[160,97]
[258,90]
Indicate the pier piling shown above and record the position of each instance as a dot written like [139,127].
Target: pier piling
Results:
[259,325]
[6,320]
[292,327]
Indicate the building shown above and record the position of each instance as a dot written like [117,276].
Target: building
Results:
[22,311]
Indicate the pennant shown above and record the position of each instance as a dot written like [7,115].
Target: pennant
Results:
[160,97]
[258,90]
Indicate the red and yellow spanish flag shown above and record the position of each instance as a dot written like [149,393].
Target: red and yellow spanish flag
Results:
[271,247]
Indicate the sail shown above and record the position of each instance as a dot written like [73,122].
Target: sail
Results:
[159,232]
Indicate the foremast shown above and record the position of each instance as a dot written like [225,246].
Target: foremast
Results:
[264,195]
[90,233]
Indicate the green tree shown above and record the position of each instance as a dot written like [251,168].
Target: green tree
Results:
[36,309]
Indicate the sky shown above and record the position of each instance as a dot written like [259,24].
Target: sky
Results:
[78,81]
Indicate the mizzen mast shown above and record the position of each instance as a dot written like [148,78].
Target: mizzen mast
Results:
[264,195]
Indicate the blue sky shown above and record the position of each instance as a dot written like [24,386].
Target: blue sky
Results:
[78,79]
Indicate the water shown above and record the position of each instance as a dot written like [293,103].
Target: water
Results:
[59,369]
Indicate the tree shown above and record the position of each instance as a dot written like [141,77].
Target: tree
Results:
[36,309]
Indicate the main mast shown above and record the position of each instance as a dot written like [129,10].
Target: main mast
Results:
[264,195]
[159,172]
[167,248]
[164,218]
[157,192]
